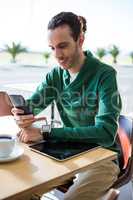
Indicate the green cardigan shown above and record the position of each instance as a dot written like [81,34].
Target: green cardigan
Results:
[89,106]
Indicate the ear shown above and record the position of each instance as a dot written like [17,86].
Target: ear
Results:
[81,39]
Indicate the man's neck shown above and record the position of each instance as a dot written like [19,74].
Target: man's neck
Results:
[79,64]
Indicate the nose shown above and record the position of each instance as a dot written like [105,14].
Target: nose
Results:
[58,53]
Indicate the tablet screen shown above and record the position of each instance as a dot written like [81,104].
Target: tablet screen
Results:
[61,150]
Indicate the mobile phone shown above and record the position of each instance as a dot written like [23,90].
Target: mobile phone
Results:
[19,102]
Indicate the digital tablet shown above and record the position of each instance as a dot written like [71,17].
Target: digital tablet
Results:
[62,151]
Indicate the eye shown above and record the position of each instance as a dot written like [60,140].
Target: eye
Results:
[62,46]
[52,48]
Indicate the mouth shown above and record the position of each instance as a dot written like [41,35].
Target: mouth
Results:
[62,61]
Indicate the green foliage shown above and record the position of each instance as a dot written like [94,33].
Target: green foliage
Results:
[14,49]
[131,56]
[114,51]
[100,52]
[46,56]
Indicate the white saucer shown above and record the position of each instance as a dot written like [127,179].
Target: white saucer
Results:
[17,152]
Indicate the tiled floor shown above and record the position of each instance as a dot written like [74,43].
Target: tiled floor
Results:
[53,195]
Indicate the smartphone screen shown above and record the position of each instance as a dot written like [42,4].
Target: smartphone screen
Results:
[18,101]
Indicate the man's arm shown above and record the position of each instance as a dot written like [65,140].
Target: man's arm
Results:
[104,130]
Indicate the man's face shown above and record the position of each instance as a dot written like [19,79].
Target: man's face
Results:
[65,49]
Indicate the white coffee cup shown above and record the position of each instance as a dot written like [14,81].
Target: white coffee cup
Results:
[7,145]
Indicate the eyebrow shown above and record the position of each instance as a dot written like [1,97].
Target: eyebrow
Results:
[58,45]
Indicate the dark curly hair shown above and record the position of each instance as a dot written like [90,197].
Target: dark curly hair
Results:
[76,23]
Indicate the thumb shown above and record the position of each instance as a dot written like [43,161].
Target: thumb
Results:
[40,119]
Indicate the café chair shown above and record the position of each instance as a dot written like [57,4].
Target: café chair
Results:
[5,104]
[122,188]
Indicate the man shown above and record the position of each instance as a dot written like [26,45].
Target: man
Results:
[86,94]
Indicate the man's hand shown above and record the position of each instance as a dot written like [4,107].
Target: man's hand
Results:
[24,121]
[30,134]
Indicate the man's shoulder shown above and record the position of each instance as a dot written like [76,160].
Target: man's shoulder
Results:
[106,68]
[97,65]
[56,70]
[54,76]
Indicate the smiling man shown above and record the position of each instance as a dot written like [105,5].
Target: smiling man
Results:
[86,94]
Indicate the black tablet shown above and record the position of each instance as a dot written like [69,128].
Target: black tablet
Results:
[62,150]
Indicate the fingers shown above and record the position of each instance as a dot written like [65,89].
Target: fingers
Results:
[24,123]
[30,134]
[24,117]
[40,119]
[23,137]
[16,111]
[24,120]
[18,114]
[28,119]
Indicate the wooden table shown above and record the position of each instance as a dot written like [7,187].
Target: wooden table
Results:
[34,173]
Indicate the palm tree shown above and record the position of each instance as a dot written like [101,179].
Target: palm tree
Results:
[14,50]
[100,52]
[114,51]
[131,56]
[46,56]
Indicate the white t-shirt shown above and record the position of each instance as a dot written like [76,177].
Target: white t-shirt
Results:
[73,76]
